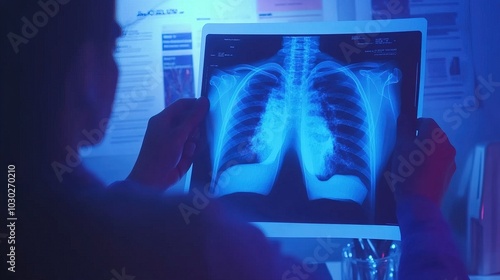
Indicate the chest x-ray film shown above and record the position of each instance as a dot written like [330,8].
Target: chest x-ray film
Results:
[306,112]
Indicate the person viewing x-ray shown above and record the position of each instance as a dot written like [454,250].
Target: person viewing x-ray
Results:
[64,81]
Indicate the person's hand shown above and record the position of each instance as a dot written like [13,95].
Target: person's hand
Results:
[169,144]
[422,165]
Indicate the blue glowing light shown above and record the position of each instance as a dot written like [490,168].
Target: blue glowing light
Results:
[334,116]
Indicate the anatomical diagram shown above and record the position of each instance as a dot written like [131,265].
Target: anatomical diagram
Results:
[334,117]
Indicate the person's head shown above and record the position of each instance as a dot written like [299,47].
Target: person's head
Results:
[61,54]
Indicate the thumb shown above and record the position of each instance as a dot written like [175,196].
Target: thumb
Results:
[194,116]
[173,113]
[406,130]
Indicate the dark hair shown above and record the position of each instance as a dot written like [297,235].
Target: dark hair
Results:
[40,39]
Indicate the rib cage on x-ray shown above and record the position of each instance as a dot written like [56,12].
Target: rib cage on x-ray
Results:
[335,100]
[300,99]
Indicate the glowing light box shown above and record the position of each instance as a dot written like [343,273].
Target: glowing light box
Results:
[303,119]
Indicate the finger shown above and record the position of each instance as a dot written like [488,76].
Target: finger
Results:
[187,158]
[449,175]
[192,120]
[426,126]
[184,114]
[195,134]
[429,129]
[185,162]
[172,177]
[175,111]
[405,129]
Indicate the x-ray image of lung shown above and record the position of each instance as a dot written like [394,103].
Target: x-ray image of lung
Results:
[335,116]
